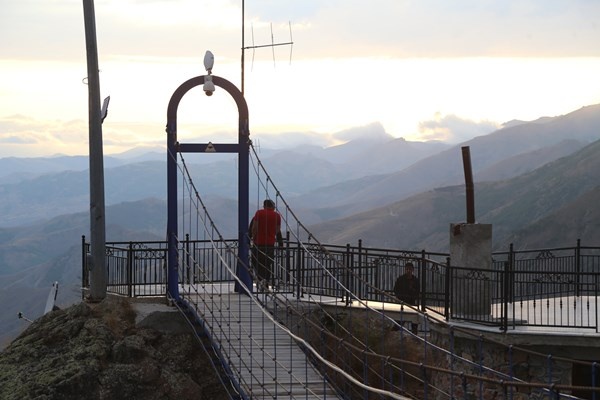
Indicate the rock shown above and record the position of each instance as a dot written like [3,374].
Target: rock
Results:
[97,351]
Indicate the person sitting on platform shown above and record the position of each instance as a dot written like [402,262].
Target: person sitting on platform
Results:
[406,287]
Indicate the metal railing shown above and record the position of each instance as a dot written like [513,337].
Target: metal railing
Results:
[138,269]
[545,287]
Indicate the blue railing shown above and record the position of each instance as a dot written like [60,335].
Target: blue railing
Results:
[545,287]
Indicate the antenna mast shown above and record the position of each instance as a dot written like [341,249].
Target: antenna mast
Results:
[243,43]
[253,47]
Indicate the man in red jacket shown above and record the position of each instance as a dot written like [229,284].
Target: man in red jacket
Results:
[265,230]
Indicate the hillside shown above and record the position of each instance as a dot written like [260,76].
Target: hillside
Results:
[34,257]
[564,190]
[577,219]
[527,162]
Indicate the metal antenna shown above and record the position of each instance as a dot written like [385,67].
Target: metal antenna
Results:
[253,50]
[272,44]
[291,41]
[254,47]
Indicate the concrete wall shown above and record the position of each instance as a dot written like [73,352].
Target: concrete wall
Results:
[521,365]
[470,247]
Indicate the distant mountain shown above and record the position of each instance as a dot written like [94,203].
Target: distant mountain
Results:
[33,257]
[64,187]
[36,166]
[369,150]
[391,156]
[552,205]
[445,168]
[519,202]
[577,219]
[516,122]
[23,247]
[142,153]
[355,142]
[45,165]
[523,163]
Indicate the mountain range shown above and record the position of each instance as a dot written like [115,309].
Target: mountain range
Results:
[502,154]
[521,211]
[536,182]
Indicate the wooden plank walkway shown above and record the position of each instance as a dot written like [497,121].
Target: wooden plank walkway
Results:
[265,359]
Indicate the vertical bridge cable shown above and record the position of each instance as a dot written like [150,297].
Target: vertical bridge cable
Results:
[210,303]
[300,232]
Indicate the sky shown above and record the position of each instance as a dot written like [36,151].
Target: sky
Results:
[423,70]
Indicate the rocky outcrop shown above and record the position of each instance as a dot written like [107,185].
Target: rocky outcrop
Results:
[100,351]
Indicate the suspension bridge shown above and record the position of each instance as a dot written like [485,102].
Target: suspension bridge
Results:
[327,326]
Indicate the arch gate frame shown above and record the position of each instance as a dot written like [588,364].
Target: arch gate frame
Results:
[242,148]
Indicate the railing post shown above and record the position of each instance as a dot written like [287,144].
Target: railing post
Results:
[187,256]
[349,267]
[596,298]
[511,282]
[511,273]
[578,268]
[130,258]
[287,259]
[374,271]
[422,273]
[505,283]
[447,296]
[361,288]
[84,275]
[299,264]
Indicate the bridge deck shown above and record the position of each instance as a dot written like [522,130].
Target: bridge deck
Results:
[266,361]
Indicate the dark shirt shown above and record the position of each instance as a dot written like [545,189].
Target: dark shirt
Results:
[407,289]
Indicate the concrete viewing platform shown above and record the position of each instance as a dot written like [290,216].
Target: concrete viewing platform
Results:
[565,316]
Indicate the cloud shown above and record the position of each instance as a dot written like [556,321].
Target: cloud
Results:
[292,139]
[465,28]
[453,129]
[26,136]
[372,130]
[8,139]
[278,11]
[335,28]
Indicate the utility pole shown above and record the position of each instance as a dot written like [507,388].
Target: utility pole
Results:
[97,219]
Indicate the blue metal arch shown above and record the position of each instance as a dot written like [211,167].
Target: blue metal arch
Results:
[242,148]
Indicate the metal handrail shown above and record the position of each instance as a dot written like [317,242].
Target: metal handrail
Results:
[522,288]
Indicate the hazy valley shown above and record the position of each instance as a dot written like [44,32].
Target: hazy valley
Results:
[536,182]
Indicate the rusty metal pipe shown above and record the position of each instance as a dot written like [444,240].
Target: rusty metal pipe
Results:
[470,191]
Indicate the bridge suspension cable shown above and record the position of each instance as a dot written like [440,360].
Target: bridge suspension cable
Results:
[292,306]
